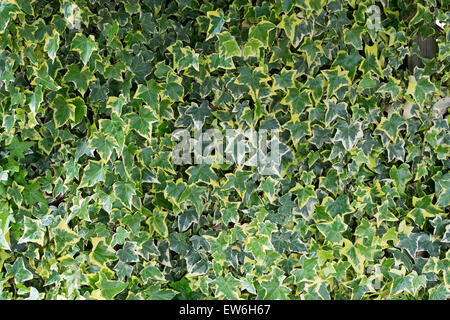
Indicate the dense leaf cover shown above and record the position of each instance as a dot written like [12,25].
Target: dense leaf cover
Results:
[92,205]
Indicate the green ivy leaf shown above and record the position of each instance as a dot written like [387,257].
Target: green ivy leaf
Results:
[124,192]
[84,45]
[19,271]
[109,288]
[216,21]
[332,230]
[80,77]
[33,231]
[261,32]
[348,134]
[63,111]
[52,45]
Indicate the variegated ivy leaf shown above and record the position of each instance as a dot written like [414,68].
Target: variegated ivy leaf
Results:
[227,287]
[312,49]
[420,89]
[110,288]
[84,45]
[391,126]
[124,192]
[228,47]
[216,21]
[44,79]
[201,173]
[94,172]
[19,271]
[289,25]
[371,64]
[261,32]
[336,78]
[303,194]
[183,57]
[116,104]
[80,77]
[34,231]
[199,113]
[186,219]
[63,110]
[353,36]
[348,134]
[52,45]
[7,10]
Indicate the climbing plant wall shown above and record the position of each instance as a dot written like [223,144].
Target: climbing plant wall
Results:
[94,206]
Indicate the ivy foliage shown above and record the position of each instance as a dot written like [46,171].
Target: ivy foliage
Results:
[92,205]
